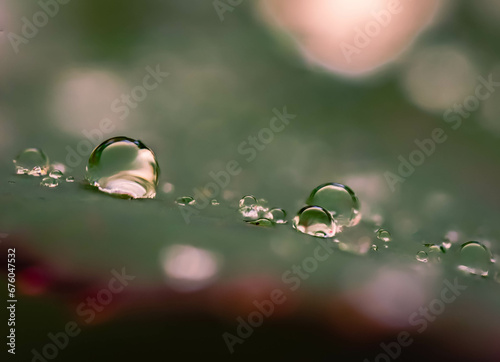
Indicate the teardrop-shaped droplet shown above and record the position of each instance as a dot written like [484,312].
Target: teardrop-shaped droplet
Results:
[339,200]
[474,258]
[49,182]
[124,167]
[315,221]
[185,200]
[32,161]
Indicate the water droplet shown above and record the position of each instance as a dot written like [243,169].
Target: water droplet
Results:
[315,221]
[185,200]
[384,235]
[70,179]
[474,258]
[374,247]
[49,182]
[56,174]
[339,200]
[214,202]
[422,256]
[58,166]
[32,161]
[278,216]
[261,222]
[123,166]
[251,209]
[435,252]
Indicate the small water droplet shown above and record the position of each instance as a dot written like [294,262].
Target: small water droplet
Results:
[49,182]
[185,200]
[422,256]
[339,200]
[315,221]
[124,167]
[278,216]
[56,174]
[435,252]
[251,209]
[214,202]
[70,179]
[474,258]
[261,222]
[374,247]
[58,166]
[384,235]
[32,161]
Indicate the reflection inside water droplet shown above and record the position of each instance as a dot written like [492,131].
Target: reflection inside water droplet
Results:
[124,167]
[422,256]
[57,174]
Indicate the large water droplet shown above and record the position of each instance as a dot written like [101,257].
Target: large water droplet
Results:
[339,200]
[32,161]
[474,258]
[315,221]
[125,167]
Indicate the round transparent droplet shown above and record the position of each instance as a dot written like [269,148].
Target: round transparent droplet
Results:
[435,252]
[278,216]
[70,179]
[32,161]
[185,200]
[422,256]
[57,174]
[49,182]
[339,200]
[474,258]
[315,221]
[384,235]
[214,202]
[123,166]
[252,209]
[374,247]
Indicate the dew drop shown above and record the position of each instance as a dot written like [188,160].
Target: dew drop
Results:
[49,182]
[185,200]
[384,235]
[278,216]
[374,247]
[70,179]
[251,209]
[435,252]
[124,167]
[214,202]
[422,256]
[315,221]
[32,161]
[57,174]
[474,258]
[339,200]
